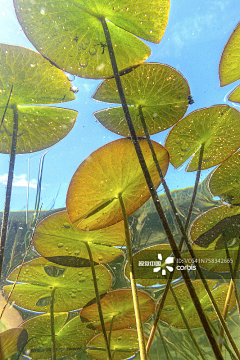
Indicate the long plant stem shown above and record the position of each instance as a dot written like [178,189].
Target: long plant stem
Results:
[154,194]
[98,301]
[9,186]
[53,340]
[183,230]
[141,341]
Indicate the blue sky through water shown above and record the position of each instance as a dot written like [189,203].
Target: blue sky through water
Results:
[193,42]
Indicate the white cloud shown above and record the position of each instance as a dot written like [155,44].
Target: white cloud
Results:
[19,181]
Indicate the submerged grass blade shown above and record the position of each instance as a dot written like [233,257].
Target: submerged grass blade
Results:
[9,186]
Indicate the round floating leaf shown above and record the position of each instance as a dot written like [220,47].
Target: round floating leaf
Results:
[210,231]
[57,239]
[73,286]
[225,181]
[229,67]
[216,259]
[153,265]
[34,79]
[222,222]
[12,341]
[171,315]
[11,317]
[71,35]
[123,345]
[38,128]
[235,95]
[216,127]
[69,336]
[93,193]
[159,90]
[118,311]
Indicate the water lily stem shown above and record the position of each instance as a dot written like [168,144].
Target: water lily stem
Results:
[141,341]
[154,194]
[53,340]
[9,186]
[98,301]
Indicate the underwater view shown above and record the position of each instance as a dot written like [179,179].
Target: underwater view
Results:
[120,179]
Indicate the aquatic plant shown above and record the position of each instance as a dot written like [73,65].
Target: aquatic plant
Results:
[113,183]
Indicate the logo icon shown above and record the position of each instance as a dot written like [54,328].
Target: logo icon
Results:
[168,260]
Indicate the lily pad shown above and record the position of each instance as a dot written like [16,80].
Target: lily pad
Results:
[225,180]
[117,309]
[12,341]
[216,127]
[69,336]
[123,345]
[171,315]
[229,69]
[73,286]
[56,238]
[71,35]
[113,169]
[158,90]
[35,80]
[32,80]
[11,317]
[215,259]
[38,128]
[221,222]
[235,95]
[151,266]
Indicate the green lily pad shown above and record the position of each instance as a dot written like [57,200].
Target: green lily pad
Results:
[32,80]
[216,127]
[11,317]
[123,345]
[151,269]
[56,238]
[93,193]
[12,341]
[171,315]
[73,286]
[71,35]
[69,336]
[229,69]
[235,95]
[221,222]
[225,180]
[38,128]
[159,90]
[216,259]
[117,309]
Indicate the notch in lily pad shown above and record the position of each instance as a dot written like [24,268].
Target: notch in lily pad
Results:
[93,193]
[73,287]
[79,46]
[216,128]
[59,241]
[158,91]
